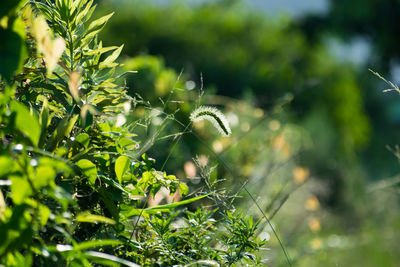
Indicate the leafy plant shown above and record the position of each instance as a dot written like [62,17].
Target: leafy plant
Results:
[75,186]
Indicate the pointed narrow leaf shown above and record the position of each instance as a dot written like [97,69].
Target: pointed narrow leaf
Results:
[95,27]
[84,12]
[64,129]
[93,218]
[176,204]
[100,50]
[99,23]
[97,243]
[109,61]
[44,118]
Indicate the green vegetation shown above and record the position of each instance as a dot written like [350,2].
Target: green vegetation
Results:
[233,52]
[192,134]
[75,187]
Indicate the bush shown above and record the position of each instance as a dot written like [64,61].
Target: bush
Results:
[75,187]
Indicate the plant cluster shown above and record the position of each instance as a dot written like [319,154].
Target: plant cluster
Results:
[74,185]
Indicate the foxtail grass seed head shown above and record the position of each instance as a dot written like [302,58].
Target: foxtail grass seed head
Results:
[214,116]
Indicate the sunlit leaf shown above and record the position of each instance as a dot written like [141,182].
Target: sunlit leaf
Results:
[44,213]
[100,50]
[20,189]
[183,189]
[63,129]
[121,166]
[97,243]
[93,218]
[84,12]
[45,175]
[6,165]
[25,122]
[176,204]
[99,23]
[95,27]
[88,169]
[83,139]
[44,118]
[111,58]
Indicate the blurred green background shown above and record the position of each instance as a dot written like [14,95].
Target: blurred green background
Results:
[314,135]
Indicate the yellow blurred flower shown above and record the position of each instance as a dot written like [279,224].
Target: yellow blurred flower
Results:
[245,126]
[274,125]
[217,146]
[300,174]
[280,144]
[316,243]
[312,203]
[314,225]
[258,113]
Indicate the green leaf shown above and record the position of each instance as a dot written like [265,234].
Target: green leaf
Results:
[20,189]
[64,129]
[111,58]
[97,243]
[137,212]
[44,213]
[44,175]
[12,50]
[125,144]
[44,118]
[106,197]
[183,189]
[167,207]
[99,23]
[83,139]
[93,218]
[114,184]
[84,12]
[100,50]
[203,263]
[121,166]
[6,165]
[8,6]
[25,122]
[88,169]
[111,258]
[146,180]
[95,27]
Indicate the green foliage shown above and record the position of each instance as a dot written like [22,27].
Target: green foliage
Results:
[195,240]
[75,185]
[13,51]
[236,53]
[372,21]
[240,52]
